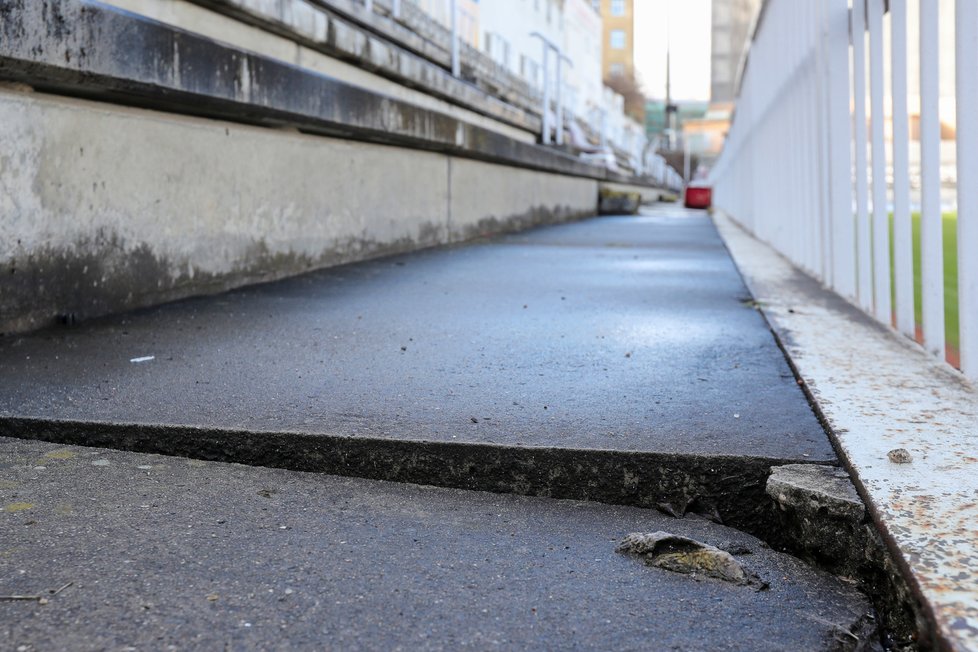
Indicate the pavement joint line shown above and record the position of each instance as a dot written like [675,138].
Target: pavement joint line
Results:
[731,485]
[726,489]
[924,510]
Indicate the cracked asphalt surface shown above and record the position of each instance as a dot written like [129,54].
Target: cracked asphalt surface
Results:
[164,551]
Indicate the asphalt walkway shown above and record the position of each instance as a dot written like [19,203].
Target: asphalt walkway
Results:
[618,333]
[619,360]
[151,552]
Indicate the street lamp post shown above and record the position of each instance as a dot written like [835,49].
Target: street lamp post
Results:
[685,159]
[670,107]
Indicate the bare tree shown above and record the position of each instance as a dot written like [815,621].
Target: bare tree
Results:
[629,87]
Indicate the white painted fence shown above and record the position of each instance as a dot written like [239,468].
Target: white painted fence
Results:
[795,171]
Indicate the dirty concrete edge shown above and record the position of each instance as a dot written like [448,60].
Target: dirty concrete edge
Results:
[903,591]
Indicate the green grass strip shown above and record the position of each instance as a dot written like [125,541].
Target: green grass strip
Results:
[950,224]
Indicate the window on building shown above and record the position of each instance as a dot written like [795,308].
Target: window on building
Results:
[596,5]
[617,7]
[618,39]
[616,70]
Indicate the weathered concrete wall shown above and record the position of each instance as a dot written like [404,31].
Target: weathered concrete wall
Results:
[257,155]
[105,208]
[487,198]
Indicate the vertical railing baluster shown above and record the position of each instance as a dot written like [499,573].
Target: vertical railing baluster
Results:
[811,154]
[756,137]
[931,234]
[881,221]
[840,152]
[802,242]
[902,225]
[864,253]
[966,100]
[821,104]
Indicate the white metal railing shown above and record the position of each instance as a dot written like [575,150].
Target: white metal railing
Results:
[802,172]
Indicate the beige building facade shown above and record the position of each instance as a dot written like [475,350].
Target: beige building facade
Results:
[618,40]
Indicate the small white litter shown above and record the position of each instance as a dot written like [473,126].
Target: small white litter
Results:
[145,358]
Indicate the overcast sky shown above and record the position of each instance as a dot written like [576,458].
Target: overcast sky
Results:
[689,28]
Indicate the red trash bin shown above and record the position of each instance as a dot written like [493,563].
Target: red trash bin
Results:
[698,197]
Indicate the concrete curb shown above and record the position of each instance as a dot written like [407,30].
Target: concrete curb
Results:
[878,392]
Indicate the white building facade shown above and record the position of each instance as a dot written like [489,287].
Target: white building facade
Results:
[582,44]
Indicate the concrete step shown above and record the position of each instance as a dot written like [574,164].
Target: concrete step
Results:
[119,550]
[617,359]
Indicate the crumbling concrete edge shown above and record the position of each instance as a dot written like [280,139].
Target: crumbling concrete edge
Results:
[928,544]
[823,521]
[728,489]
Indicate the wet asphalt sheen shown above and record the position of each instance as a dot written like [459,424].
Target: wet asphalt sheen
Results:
[617,359]
[615,333]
